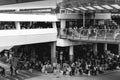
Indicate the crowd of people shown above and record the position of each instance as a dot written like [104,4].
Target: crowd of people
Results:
[7,25]
[101,30]
[90,65]
[25,25]
[34,25]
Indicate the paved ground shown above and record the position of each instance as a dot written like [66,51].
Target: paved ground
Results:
[113,75]
[26,75]
[36,75]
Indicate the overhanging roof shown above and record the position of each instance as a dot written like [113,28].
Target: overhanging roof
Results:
[96,8]
[30,5]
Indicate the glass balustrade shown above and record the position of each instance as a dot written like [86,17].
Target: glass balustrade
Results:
[110,34]
[90,34]
[101,34]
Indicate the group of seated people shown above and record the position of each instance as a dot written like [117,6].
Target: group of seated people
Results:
[90,64]
[25,25]
[34,25]
[7,25]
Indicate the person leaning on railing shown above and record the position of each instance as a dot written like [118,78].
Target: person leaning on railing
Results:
[117,32]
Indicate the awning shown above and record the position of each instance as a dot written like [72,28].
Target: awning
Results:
[116,6]
[96,8]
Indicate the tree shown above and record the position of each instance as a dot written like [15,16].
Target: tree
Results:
[75,3]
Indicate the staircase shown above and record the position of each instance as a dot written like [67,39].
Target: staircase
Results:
[5,48]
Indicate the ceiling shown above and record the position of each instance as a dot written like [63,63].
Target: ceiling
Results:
[5,2]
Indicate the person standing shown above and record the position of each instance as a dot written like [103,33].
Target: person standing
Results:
[11,70]
[15,65]
[3,71]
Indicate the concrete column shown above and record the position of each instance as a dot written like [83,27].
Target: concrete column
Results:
[84,19]
[71,53]
[17,24]
[105,47]
[17,10]
[63,24]
[118,49]
[53,52]
[95,48]
[54,25]
[62,27]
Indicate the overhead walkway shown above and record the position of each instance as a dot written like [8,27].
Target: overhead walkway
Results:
[20,36]
[29,36]
[89,35]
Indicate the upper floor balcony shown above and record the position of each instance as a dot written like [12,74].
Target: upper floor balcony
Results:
[21,29]
[90,35]
[27,36]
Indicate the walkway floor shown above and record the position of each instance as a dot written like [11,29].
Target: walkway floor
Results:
[36,75]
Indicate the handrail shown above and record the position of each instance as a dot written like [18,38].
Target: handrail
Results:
[105,34]
[16,32]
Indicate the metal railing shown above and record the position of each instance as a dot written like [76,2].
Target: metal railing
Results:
[90,34]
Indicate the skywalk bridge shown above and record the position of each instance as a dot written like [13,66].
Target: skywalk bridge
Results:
[91,35]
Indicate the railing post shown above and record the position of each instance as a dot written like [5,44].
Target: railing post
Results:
[105,37]
[80,33]
[83,19]
[88,31]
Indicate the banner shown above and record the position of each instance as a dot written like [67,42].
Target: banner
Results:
[103,16]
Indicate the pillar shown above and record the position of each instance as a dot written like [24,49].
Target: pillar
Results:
[95,48]
[54,24]
[63,24]
[71,53]
[53,52]
[105,47]
[83,19]
[17,24]
[62,27]
[118,49]
[17,10]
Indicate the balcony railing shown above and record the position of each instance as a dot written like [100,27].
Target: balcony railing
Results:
[90,34]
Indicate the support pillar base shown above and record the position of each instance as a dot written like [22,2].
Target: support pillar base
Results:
[71,57]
